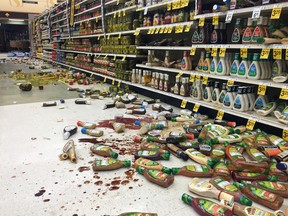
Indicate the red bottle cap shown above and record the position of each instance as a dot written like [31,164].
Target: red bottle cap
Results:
[231,124]
[79,123]
[190,136]
[137,138]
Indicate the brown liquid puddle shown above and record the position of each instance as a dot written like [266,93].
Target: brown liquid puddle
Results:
[83,168]
[113,188]
[98,183]
[125,182]
[116,182]
[40,193]
[46,200]
[86,182]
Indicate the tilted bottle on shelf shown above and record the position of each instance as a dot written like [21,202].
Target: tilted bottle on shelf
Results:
[235,65]
[237,32]
[214,64]
[222,94]
[254,71]
[215,93]
[207,63]
[207,94]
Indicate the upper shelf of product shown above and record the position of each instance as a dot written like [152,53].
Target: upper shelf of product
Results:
[243,11]
[88,10]
[124,10]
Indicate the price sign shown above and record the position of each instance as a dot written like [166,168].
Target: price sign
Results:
[184,3]
[119,14]
[250,124]
[124,13]
[215,20]
[183,104]
[169,7]
[166,30]
[105,79]
[124,58]
[265,53]
[201,21]
[214,52]
[192,78]
[119,36]
[115,14]
[113,82]
[98,38]
[222,52]
[256,13]
[97,19]
[198,77]
[170,29]
[187,28]
[277,53]
[137,32]
[285,134]
[244,52]
[179,29]
[193,51]
[284,94]
[119,83]
[230,82]
[276,12]
[105,56]
[157,30]
[286,54]
[204,80]
[229,16]
[108,36]
[161,30]
[261,90]
[153,31]
[196,107]
[220,114]
[179,74]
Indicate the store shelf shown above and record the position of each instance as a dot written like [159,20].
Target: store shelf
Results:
[121,32]
[243,11]
[128,9]
[57,29]
[166,25]
[58,14]
[111,3]
[247,115]
[158,6]
[87,11]
[239,46]
[82,2]
[97,35]
[268,83]
[59,20]
[182,48]
[61,4]
[62,26]
[102,54]
[85,20]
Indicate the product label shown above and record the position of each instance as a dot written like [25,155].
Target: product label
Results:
[214,96]
[227,101]
[212,67]
[197,168]
[196,153]
[257,154]
[247,35]
[195,93]
[225,185]
[221,97]
[253,211]
[236,35]
[211,207]
[152,146]
[220,67]
[206,66]
[277,140]
[221,167]
[218,152]
[274,169]
[205,94]
[146,153]
[242,69]
[261,139]
[157,174]
[237,102]
[235,154]
[263,194]
[234,69]
[272,185]
[252,70]
[201,36]
[259,103]
[256,34]
[247,174]
[101,148]
[214,37]
[146,162]
[195,37]
[187,144]
[183,64]
[105,162]
[275,70]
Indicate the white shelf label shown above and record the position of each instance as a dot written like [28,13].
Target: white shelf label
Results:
[229,16]
[256,13]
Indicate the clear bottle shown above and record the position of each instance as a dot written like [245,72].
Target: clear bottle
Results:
[166,83]
[153,80]
[186,63]
[207,94]
[229,99]
[167,57]
[197,90]
[235,65]
[184,87]
[140,76]
[254,71]
[133,77]
[222,94]
[156,81]
[215,93]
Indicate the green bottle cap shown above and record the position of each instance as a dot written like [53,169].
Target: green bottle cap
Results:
[226,143]
[228,162]
[150,139]
[238,185]
[237,131]
[245,201]
[212,162]
[214,141]
[272,178]
[245,182]
[260,40]
[173,119]
[200,139]
[250,56]
[166,170]
[175,170]
[266,172]
[187,198]
[231,130]
[113,155]
[126,163]
[140,169]
[166,155]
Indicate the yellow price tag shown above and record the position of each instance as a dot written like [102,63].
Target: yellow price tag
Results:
[105,56]
[169,7]
[108,36]
[187,28]
[284,94]
[277,53]
[119,83]
[166,29]
[201,21]
[220,114]
[118,1]
[179,29]
[152,30]
[222,52]
[124,58]
[230,82]
[285,134]
[174,5]
[204,80]
[119,14]
[198,77]
[115,14]
[105,79]
[170,29]
[192,78]
[214,52]
[97,19]
[157,30]
[244,52]
[124,13]
[286,54]
[184,3]
[276,12]
[183,104]
[196,107]
[179,74]
[261,90]
[114,57]
[113,82]
[137,32]
[119,36]
[265,53]
[215,20]
[161,30]
[98,38]
[193,51]
[250,124]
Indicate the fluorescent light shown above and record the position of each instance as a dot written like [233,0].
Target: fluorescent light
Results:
[17,20]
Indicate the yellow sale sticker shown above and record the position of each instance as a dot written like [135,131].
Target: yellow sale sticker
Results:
[196,107]
[276,12]
[179,74]
[204,80]
[187,28]
[265,53]
[244,52]
[192,78]
[215,20]
[183,103]
[214,52]
[285,134]
[193,51]
[222,52]
[220,114]
[201,21]
[261,90]
[250,124]
[277,53]
[284,94]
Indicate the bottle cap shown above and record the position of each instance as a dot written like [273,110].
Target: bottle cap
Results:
[187,198]
[159,127]
[137,122]
[137,138]
[166,170]
[272,178]
[84,130]
[66,135]
[190,136]
[79,123]
[197,121]
[166,155]
[245,201]
[200,139]
[140,169]
[150,139]
[184,156]
[281,166]
[126,163]
[231,124]
[114,155]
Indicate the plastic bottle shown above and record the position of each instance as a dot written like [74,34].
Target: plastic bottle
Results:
[152,154]
[199,67]
[207,63]
[234,91]
[247,35]
[48,104]
[109,164]
[155,176]
[228,99]
[110,104]
[83,102]
[218,152]
[155,139]
[266,110]
[235,65]
[237,32]
[251,97]
[205,207]
[118,127]
[103,151]
[256,155]
[240,103]
[213,65]
[273,187]
[200,158]
[254,71]
[69,131]
[222,94]
[177,152]
[177,137]
[202,187]
[195,170]
[86,125]
[92,132]
[166,83]
[221,170]
[186,63]
[177,86]
[243,68]
[261,196]
[215,93]
[260,102]
[184,87]
[250,176]
[149,164]
[221,69]
[227,187]
[207,94]
[197,90]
